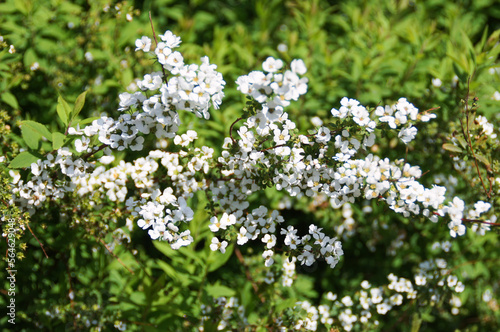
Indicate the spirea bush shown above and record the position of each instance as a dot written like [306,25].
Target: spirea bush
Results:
[258,226]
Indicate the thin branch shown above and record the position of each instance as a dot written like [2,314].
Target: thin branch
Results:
[116,257]
[474,220]
[469,263]
[432,109]
[134,257]
[273,147]
[400,320]
[231,130]
[247,273]
[153,29]
[481,222]
[37,240]
[466,134]
[70,286]
[490,180]
[91,153]
[156,44]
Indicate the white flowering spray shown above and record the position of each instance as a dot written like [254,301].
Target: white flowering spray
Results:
[265,149]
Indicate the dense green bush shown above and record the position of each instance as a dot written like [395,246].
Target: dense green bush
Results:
[83,263]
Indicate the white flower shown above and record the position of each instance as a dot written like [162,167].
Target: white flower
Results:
[106,160]
[407,134]
[436,82]
[16,176]
[143,44]
[225,220]
[186,212]
[242,236]
[298,66]
[420,280]
[269,240]
[268,255]
[272,65]
[157,231]
[216,245]
[89,57]
[456,228]
[365,283]
[330,296]
[73,131]
[35,168]
[347,301]
[282,48]
[82,144]
[171,40]
[35,66]
[383,308]
[323,135]
[175,59]
[452,280]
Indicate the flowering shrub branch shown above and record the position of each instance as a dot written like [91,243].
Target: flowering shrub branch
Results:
[335,160]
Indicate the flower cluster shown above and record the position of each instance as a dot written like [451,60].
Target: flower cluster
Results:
[313,245]
[227,312]
[332,162]
[191,88]
[363,308]
[455,210]
[488,128]
[402,114]
[43,185]
[288,270]
[273,88]
[347,228]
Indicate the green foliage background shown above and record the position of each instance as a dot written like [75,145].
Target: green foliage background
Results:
[373,51]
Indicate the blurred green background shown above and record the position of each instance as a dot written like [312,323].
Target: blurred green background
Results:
[373,51]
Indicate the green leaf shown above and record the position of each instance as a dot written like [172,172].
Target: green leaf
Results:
[32,138]
[416,321]
[472,117]
[164,248]
[127,76]
[216,260]
[46,45]
[38,128]
[63,110]
[483,159]
[461,74]
[452,148]
[138,298]
[58,140]
[169,270]
[462,142]
[10,100]
[23,160]
[7,8]
[85,121]
[190,253]
[80,101]
[219,290]
[288,303]
[23,6]
[29,57]
[68,7]
[484,38]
